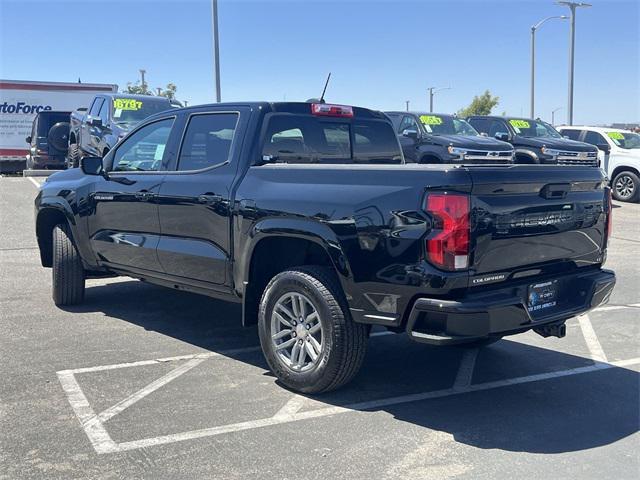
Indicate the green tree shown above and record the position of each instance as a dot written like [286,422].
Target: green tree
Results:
[169,91]
[137,89]
[481,105]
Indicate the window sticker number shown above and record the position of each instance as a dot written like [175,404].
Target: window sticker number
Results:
[616,135]
[519,124]
[430,120]
[126,104]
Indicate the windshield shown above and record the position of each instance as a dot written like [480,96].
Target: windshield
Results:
[627,140]
[533,128]
[133,110]
[446,125]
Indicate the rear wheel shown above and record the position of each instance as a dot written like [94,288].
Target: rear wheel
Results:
[307,335]
[73,157]
[68,273]
[626,186]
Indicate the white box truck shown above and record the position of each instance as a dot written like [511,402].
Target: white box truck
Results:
[20,101]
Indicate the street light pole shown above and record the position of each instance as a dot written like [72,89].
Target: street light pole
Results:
[572,40]
[533,59]
[216,48]
[407,102]
[432,91]
[553,116]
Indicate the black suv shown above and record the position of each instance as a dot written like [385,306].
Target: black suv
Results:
[48,140]
[536,141]
[438,138]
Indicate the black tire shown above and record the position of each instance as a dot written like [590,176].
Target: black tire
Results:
[58,136]
[73,156]
[68,273]
[626,186]
[344,341]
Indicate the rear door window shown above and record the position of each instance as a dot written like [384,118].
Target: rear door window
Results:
[207,141]
[308,139]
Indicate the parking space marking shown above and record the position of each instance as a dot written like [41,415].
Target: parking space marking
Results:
[152,387]
[593,344]
[95,430]
[34,181]
[362,406]
[466,368]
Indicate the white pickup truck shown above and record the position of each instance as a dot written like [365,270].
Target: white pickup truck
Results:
[619,156]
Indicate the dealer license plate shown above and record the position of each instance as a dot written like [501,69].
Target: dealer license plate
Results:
[542,296]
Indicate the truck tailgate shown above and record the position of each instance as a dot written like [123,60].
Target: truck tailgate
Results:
[525,218]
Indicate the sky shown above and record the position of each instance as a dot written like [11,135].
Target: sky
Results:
[380,53]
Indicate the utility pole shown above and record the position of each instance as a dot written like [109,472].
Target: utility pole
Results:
[407,102]
[216,47]
[572,40]
[553,116]
[533,58]
[432,91]
[159,90]
[142,82]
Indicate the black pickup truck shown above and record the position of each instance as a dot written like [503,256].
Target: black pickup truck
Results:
[307,215]
[110,116]
[440,138]
[536,142]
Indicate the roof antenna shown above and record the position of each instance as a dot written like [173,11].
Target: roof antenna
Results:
[325,88]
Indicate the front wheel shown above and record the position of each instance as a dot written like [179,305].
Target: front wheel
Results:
[68,272]
[626,186]
[307,335]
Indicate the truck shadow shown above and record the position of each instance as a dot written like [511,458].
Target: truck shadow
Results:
[569,413]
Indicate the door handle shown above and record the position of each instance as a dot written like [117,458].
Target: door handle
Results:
[144,196]
[209,198]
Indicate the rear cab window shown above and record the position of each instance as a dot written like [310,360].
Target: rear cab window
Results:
[300,138]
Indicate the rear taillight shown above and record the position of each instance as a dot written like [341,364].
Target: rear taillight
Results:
[609,213]
[327,110]
[448,245]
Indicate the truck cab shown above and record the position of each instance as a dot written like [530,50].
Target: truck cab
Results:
[618,154]
[95,131]
[535,141]
[442,138]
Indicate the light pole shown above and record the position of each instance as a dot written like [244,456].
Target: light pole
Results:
[142,82]
[216,47]
[407,102]
[572,41]
[533,58]
[553,116]
[432,91]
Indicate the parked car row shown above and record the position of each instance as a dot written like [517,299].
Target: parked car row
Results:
[306,215]
[61,139]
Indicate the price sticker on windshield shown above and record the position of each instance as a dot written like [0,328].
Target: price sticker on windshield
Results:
[616,135]
[519,123]
[430,120]
[126,104]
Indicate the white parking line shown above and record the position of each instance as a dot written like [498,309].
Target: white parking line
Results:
[593,344]
[34,181]
[290,408]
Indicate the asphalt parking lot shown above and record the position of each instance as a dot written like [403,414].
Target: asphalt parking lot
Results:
[145,382]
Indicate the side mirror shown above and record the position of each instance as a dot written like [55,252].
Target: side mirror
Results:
[410,133]
[566,136]
[502,136]
[28,139]
[95,122]
[92,166]
[484,134]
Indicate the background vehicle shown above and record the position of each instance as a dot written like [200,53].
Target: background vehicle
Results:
[536,141]
[20,101]
[49,140]
[306,214]
[440,138]
[96,130]
[619,156]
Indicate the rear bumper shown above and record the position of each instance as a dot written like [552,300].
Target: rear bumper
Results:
[504,311]
[44,161]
